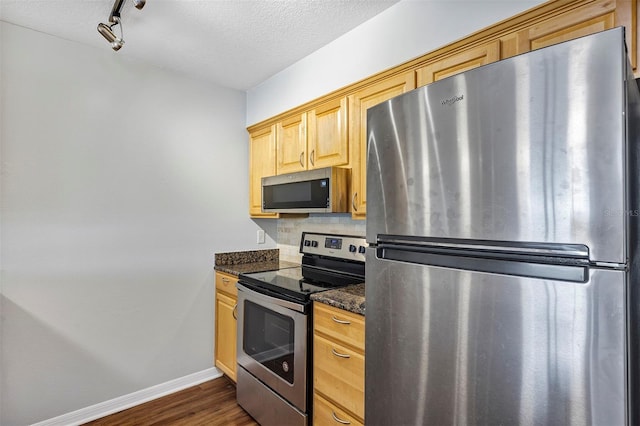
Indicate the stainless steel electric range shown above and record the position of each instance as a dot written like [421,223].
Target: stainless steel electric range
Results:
[275,327]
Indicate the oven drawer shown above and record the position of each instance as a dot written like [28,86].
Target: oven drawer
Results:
[343,326]
[338,374]
[226,283]
[326,413]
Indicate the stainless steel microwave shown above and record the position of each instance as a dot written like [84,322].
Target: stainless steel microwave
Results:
[312,191]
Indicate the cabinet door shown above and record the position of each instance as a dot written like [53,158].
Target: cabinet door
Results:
[458,62]
[627,15]
[262,163]
[595,17]
[358,104]
[328,143]
[226,334]
[292,144]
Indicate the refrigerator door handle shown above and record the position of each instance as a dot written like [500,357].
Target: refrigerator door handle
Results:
[573,272]
[578,251]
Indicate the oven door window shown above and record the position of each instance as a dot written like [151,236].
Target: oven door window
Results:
[268,338]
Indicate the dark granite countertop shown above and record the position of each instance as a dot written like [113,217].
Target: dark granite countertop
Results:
[349,298]
[243,262]
[244,268]
[246,256]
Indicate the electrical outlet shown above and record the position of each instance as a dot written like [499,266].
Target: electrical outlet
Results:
[260,236]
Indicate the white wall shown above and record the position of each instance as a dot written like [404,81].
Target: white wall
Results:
[405,31]
[119,183]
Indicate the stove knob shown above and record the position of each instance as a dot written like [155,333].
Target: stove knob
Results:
[307,243]
[361,249]
[352,248]
[314,244]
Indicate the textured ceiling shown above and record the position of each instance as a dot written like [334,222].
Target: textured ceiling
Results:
[234,43]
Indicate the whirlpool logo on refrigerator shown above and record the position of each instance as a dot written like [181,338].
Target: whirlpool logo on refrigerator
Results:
[452,100]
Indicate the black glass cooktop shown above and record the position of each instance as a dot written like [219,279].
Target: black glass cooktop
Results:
[288,282]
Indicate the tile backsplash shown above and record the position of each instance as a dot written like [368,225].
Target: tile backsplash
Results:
[290,230]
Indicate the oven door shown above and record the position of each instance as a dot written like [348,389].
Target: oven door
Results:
[272,343]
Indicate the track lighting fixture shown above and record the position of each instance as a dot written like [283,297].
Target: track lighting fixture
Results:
[107,32]
[114,19]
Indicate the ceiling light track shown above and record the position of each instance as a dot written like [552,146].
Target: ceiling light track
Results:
[114,20]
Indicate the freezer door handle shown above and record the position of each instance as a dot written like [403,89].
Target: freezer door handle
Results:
[507,248]
[562,272]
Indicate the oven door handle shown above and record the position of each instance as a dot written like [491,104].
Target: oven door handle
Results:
[270,299]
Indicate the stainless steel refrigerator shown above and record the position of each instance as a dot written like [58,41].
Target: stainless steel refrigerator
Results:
[502,218]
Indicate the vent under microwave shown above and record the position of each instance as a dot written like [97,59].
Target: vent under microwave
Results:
[313,191]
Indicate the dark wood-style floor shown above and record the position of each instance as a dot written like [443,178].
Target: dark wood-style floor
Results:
[211,403]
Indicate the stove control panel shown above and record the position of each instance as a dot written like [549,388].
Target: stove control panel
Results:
[341,246]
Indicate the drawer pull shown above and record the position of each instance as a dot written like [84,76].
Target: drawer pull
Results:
[225,280]
[234,313]
[311,158]
[301,157]
[340,321]
[339,354]
[338,419]
[353,202]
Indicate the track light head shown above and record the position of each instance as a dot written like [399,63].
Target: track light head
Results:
[114,19]
[110,36]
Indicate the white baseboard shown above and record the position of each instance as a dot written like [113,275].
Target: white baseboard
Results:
[123,402]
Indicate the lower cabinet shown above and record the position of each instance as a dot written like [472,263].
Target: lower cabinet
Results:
[226,324]
[338,366]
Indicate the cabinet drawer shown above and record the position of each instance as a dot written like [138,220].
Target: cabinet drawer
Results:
[343,326]
[326,413]
[226,283]
[338,374]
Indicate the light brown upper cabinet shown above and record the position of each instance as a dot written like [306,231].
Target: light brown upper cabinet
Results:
[328,137]
[314,139]
[458,62]
[291,140]
[262,163]
[317,134]
[359,102]
[587,19]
